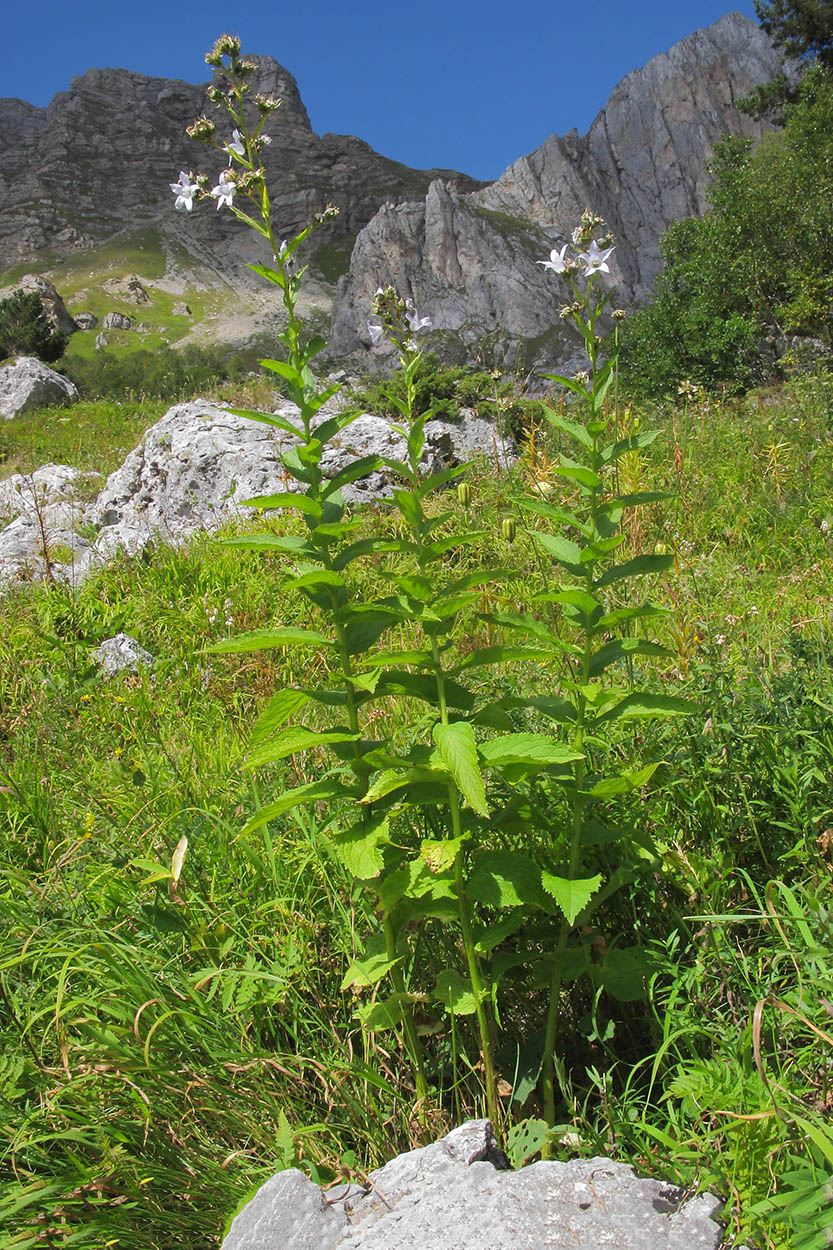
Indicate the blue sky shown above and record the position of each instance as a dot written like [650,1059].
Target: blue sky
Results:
[461,84]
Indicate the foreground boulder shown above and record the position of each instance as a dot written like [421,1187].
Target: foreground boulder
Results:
[457,1195]
[28,383]
[190,473]
[41,514]
[194,468]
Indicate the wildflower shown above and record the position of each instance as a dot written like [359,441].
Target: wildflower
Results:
[417,323]
[594,260]
[225,189]
[236,147]
[375,331]
[556,262]
[202,129]
[184,191]
[720,639]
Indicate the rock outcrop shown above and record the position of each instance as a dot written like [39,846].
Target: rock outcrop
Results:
[94,166]
[28,383]
[53,304]
[468,260]
[191,473]
[457,1195]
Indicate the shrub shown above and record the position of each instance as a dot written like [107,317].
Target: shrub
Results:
[25,329]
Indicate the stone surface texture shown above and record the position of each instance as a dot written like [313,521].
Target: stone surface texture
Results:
[40,515]
[120,653]
[53,304]
[457,1195]
[190,473]
[95,164]
[468,260]
[28,383]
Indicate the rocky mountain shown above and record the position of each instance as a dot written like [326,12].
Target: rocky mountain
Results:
[469,259]
[94,167]
[91,171]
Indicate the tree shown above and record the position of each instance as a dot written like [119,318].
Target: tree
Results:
[755,269]
[803,28]
[25,329]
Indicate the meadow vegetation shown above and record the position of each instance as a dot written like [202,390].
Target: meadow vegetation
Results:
[507,794]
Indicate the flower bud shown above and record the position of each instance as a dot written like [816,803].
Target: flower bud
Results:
[464,494]
[508,529]
[661,549]
[202,129]
[226,45]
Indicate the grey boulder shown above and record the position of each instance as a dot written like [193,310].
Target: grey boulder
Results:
[457,1195]
[41,514]
[28,383]
[121,652]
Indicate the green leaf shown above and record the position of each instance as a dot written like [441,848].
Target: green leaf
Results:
[608,787]
[632,443]
[526,748]
[576,431]
[282,705]
[285,499]
[392,779]
[572,896]
[267,418]
[358,468]
[458,750]
[386,1014]
[623,972]
[312,792]
[491,935]
[374,964]
[455,993]
[632,568]
[263,639]
[439,855]
[293,739]
[506,879]
[567,553]
[579,473]
[574,597]
[644,705]
[315,578]
[360,848]
[502,654]
[620,649]
[277,542]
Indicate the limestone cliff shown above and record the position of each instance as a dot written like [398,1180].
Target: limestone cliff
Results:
[468,259]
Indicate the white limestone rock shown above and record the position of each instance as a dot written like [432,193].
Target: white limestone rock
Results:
[28,383]
[458,1194]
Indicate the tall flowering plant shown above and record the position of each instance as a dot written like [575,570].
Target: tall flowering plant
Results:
[427,822]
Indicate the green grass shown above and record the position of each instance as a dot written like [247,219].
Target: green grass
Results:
[167,1045]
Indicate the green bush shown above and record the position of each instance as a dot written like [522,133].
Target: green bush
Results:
[160,374]
[25,329]
[755,269]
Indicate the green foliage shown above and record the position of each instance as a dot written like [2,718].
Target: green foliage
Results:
[25,329]
[443,390]
[162,374]
[754,269]
[803,28]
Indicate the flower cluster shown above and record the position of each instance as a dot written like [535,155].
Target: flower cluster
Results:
[398,320]
[244,146]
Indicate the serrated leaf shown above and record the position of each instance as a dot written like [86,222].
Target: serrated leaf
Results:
[295,738]
[572,896]
[645,706]
[314,578]
[567,553]
[490,936]
[457,748]
[282,705]
[386,1014]
[372,966]
[439,855]
[455,993]
[264,639]
[393,779]
[360,848]
[526,748]
[506,879]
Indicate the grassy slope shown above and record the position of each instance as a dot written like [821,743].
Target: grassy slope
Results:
[163,1050]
